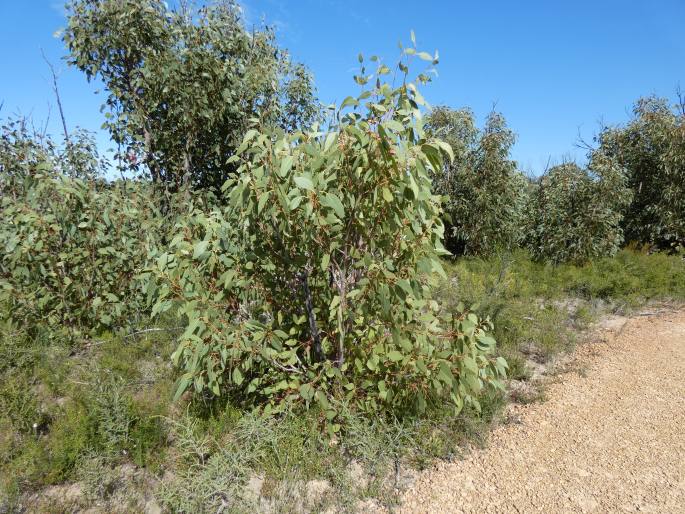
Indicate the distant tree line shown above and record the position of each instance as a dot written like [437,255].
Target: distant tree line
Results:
[631,191]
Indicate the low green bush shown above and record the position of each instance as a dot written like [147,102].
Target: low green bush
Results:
[59,407]
[537,308]
[72,251]
[632,277]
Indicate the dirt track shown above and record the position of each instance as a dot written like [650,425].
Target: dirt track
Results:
[609,438]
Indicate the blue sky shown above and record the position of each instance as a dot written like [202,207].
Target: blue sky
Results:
[555,69]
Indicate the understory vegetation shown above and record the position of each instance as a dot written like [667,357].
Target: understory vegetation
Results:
[100,414]
[283,307]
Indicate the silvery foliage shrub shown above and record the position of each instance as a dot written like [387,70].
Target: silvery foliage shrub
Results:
[574,214]
[484,193]
[651,150]
[312,286]
[71,246]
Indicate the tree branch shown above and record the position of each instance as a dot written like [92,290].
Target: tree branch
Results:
[59,101]
[148,330]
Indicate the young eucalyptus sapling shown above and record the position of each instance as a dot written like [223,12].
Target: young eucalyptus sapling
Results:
[312,286]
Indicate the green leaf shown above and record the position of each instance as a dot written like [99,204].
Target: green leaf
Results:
[304,182]
[307,392]
[263,198]
[183,384]
[332,201]
[199,249]
[406,287]
[330,139]
[445,373]
[286,165]
[322,400]
[445,147]
[250,135]
[349,101]
[295,203]
[487,341]
[470,364]
[437,267]
[394,125]
[395,356]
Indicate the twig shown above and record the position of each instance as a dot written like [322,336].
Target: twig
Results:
[148,330]
[289,369]
[224,503]
[96,342]
[681,100]
[44,133]
[56,90]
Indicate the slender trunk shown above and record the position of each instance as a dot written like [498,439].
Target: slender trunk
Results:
[311,315]
[338,280]
[149,160]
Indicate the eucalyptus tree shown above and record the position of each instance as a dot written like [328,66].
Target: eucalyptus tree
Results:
[574,213]
[312,285]
[482,189]
[651,150]
[183,84]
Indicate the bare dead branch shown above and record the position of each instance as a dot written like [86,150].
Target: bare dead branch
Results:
[55,88]
[681,100]
[148,330]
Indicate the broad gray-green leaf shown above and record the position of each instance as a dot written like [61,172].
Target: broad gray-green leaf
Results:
[304,182]
[331,200]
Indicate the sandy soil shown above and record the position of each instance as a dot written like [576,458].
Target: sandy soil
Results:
[609,438]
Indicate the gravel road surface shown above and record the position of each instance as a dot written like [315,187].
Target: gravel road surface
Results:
[610,436]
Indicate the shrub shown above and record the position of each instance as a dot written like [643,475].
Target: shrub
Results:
[575,213]
[24,153]
[651,149]
[72,250]
[312,285]
[483,191]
